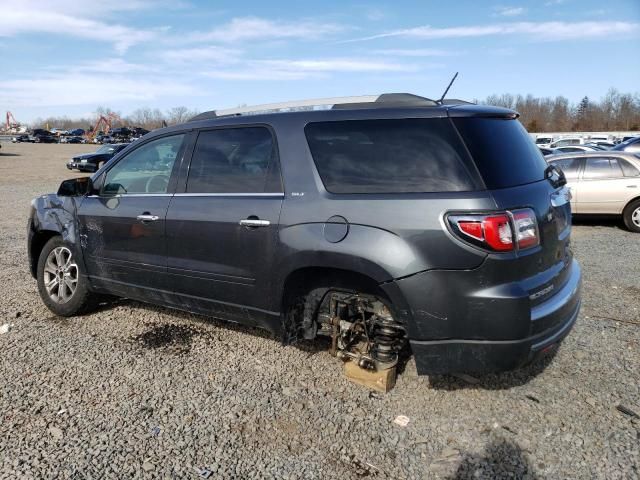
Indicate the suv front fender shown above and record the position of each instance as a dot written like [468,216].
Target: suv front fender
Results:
[53,215]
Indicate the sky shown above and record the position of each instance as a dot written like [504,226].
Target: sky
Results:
[68,57]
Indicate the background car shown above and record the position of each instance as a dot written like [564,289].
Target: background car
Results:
[603,183]
[549,151]
[23,139]
[631,145]
[92,162]
[563,142]
[578,148]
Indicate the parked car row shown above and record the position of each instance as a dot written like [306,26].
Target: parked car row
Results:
[631,145]
[116,135]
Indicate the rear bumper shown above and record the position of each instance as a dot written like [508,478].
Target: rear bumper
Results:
[503,346]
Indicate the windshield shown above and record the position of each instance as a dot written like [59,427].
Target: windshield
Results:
[106,149]
[543,140]
[502,150]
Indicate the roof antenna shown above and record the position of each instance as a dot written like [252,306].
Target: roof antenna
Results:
[447,90]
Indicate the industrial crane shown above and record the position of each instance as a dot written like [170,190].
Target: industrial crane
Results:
[103,124]
[12,125]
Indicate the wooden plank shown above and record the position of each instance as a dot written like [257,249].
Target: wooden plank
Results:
[381,381]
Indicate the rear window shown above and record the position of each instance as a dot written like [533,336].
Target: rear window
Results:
[390,156]
[502,150]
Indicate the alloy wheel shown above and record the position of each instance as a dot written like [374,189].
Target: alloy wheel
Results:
[60,275]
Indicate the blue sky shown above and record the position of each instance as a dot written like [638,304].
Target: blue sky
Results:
[68,57]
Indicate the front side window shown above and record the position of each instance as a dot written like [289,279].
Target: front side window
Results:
[602,167]
[147,169]
[234,160]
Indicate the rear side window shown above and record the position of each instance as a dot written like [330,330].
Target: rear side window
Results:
[502,150]
[234,160]
[601,167]
[569,166]
[389,156]
[628,169]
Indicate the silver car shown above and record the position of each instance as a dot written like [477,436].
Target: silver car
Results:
[603,183]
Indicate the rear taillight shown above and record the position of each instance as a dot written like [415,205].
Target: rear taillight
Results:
[499,232]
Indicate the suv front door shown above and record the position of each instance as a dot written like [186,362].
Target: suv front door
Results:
[222,226]
[122,225]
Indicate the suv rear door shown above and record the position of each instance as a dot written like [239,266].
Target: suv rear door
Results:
[222,225]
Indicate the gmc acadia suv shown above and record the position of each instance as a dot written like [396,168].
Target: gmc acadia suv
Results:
[375,222]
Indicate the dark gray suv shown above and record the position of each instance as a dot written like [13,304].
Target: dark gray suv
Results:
[377,222]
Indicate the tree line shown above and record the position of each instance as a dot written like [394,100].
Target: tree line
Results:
[149,118]
[615,111]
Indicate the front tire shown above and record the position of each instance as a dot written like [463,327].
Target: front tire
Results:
[631,216]
[62,287]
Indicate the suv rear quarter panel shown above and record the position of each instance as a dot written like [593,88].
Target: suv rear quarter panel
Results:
[389,235]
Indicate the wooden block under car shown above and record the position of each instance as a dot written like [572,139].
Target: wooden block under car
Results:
[381,381]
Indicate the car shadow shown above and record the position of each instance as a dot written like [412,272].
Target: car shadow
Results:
[493,381]
[319,345]
[502,458]
[597,221]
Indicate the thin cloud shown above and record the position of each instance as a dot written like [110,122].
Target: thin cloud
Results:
[210,54]
[416,52]
[305,68]
[544,31]
[65,89]
[256,28]
[20,20]
[509,11]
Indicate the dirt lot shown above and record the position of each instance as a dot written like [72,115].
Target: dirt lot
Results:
[138,391]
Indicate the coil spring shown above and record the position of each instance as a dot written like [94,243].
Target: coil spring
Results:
[388,338]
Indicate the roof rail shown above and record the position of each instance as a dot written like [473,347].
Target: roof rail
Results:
[363,101]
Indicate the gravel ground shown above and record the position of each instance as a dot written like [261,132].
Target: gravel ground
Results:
[145,392]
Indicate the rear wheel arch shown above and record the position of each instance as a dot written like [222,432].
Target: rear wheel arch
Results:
[304,290]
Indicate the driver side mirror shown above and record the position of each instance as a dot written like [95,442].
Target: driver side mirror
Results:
[75,187]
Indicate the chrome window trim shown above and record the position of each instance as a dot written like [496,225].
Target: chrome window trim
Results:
[275,195]
[120,195]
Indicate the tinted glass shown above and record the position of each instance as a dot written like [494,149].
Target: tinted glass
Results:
[234,160]
[600,167]
[570,149]
[628,169]
[569,166]
[147,169]
[502,150]
[389,156]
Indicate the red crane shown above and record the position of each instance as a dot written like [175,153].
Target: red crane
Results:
[103,125]
[12,123]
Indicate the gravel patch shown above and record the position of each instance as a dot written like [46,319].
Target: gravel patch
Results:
[136,391]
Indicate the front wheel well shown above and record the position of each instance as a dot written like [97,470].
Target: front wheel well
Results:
[40,238]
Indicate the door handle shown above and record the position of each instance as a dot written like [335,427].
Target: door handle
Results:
[254,222]
[632,186]
[145,217]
